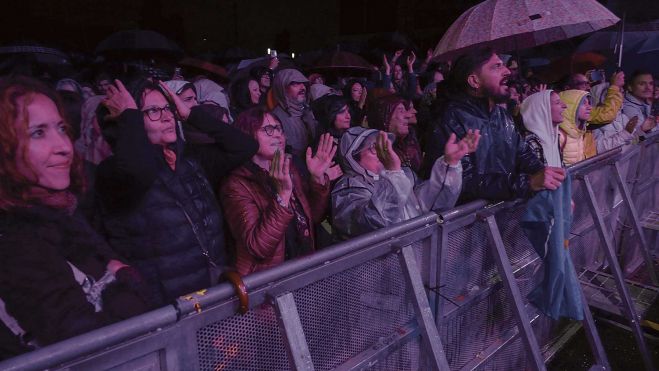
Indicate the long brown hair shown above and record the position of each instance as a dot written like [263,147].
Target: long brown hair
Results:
[14,186]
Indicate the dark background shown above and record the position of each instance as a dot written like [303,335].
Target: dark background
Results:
[201,26]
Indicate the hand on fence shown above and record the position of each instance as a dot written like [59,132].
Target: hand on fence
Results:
[548,178]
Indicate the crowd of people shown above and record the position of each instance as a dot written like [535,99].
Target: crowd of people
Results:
[120,195]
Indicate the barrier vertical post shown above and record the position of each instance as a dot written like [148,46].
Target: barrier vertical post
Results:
[628,305]
[624,190]
[592,334]
[508,278]
[289,322]
[429,334]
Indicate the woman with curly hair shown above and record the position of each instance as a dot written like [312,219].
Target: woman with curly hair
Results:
[58,278]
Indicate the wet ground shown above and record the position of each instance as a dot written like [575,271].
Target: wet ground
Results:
[619,344]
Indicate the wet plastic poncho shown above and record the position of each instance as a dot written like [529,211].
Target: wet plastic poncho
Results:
[363,201]
[501,166]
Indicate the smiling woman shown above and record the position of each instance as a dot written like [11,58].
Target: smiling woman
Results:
[58,278]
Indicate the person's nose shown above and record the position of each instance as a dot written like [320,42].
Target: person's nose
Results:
[62,145]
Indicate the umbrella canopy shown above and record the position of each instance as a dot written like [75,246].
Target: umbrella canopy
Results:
[342,60]
[199,65]
[138,42]
[607,40]
[518,24]
[41,54]
[575,63]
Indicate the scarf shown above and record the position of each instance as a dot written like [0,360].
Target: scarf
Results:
[60,200]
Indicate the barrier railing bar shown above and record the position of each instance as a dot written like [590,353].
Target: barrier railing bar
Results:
[519,311]
[382,349]
[92,341]
[292,333]
[302,265]
[622,186]
[315,274]
[431,343]
[612,259]
[486,354]
[581,166]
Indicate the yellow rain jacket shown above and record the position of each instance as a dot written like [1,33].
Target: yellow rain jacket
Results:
[607,111]
[576,144]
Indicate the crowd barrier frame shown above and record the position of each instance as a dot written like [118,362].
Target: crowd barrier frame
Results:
[441,297]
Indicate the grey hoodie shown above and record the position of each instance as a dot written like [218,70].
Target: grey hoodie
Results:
[363,201]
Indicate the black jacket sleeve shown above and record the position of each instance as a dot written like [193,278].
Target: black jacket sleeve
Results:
[231,149]
[131,170]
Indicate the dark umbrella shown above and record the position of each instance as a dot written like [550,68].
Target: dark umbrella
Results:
[575,63]
[41,54]
[203,67]
[342,63]
[138,43]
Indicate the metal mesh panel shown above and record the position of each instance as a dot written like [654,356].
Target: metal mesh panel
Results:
[243,342]
[346,313]
[406,358]
[512,357]
[517,245]
[468,265]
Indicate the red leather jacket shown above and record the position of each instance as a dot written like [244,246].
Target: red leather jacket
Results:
[258,222]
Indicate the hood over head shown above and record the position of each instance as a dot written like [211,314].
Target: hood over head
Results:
[282,80]
[573,99]
[351,141]
[536,112]
[178,86]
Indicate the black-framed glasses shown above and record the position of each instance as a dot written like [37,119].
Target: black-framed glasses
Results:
[155,113]
[270,129]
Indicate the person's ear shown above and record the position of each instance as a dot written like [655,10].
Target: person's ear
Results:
[473,81]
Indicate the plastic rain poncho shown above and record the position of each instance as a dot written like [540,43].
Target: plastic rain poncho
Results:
[363,201]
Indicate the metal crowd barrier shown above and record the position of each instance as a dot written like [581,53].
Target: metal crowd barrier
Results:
[442,291]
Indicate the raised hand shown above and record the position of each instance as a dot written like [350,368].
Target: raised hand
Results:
[118,99]
[334,172]
[631,125]
[318,164]
[547,178]
[385,152]
[649,124]
[618,79]
[280,172]
[397,55]
[410,61]
[362,100]
[386,65]
[182,110]
[454,150]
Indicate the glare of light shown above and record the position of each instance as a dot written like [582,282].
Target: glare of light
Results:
[268,52]
[292,55]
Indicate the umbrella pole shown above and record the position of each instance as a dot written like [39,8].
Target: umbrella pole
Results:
[622,39]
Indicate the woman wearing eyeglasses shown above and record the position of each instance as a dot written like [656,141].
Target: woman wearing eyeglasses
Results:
[158,208]
[271,210]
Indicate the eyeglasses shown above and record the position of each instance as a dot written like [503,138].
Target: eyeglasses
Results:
[270,129]
[370,147]
[155,113]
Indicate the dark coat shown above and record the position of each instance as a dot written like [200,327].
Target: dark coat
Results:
[38,285]
[501,166]
[168,223]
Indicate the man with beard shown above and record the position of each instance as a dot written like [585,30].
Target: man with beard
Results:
[503,167]
[300,126]
[638,100]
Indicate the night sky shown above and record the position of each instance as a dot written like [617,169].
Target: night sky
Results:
[201,26]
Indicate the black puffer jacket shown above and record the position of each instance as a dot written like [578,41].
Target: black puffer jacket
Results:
[38,285]
[167,223]
[501,166]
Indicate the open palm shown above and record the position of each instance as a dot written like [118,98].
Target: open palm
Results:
[318,163]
